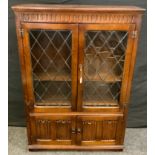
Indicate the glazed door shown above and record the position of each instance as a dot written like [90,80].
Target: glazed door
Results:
[50,52]
[104,63]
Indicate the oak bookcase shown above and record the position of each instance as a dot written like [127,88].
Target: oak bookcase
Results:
[77,65]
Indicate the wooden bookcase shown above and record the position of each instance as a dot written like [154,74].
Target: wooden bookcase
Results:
[77,65]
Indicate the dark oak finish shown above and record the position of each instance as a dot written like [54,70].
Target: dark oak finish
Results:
[77,65]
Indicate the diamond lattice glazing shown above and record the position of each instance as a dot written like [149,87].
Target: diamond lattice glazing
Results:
[51,66]
[104,56]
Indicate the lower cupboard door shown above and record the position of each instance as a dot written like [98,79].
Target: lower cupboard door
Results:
[52,130]
[99,130]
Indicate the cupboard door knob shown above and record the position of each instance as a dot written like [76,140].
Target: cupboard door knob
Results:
[73,130]
[78,130]
[80,67]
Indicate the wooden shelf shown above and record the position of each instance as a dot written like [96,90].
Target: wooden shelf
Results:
[54,100]
[51,76]
[102,67]
[58,100]
[54,103]
[100,103]
[108,78]
[66,77]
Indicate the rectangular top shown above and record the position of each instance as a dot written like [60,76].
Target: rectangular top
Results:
[64,7]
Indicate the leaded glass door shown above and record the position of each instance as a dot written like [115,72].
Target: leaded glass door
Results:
[51,58]
[103,66]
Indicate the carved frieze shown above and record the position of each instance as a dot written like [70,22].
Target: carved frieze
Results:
[75,17]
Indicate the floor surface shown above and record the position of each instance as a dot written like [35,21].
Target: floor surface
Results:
[135,144]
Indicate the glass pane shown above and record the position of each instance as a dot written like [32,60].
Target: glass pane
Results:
[104,56]
[51,66]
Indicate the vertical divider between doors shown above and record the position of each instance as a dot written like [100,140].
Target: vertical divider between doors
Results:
[78,130]
[80,62]
[73,130]
[74,67]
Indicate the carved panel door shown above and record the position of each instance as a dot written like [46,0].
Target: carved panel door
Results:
[50,52]
[104,62]
[81,130]
[52,129]
[99,130]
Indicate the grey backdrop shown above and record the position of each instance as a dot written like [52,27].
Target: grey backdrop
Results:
[137,111]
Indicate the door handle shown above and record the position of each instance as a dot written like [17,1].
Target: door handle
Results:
[80,67]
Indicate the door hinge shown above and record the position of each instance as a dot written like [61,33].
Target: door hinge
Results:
[134,34]
[21,31]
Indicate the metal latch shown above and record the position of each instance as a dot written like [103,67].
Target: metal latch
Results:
[134,34]
[22,32]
